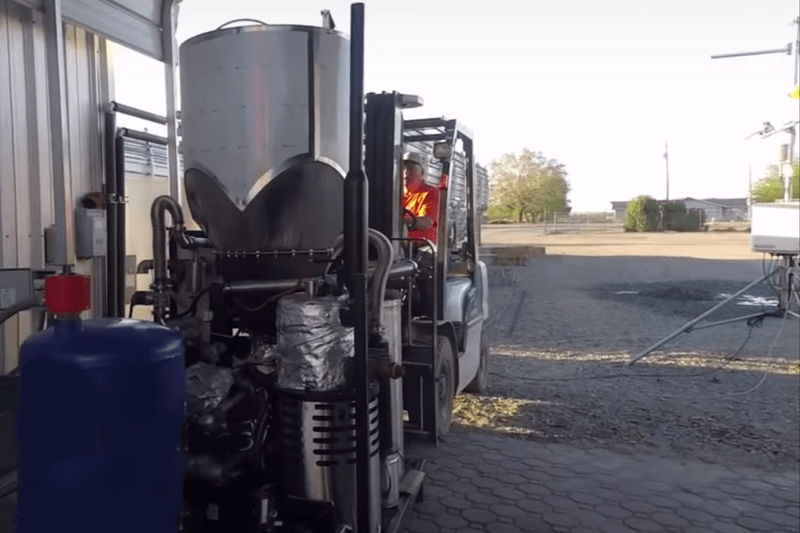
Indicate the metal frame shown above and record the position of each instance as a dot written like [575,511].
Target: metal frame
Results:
[438,130]
[169,45]
[62,245]
[787,292]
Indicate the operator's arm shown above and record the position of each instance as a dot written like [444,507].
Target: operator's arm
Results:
[422,222]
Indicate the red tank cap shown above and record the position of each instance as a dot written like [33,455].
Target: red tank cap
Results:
[68,293]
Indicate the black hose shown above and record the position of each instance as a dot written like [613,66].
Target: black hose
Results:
[23,305]
[193,306]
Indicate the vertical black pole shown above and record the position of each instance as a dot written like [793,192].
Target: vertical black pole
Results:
[120,229]
[111,213]
[355,254]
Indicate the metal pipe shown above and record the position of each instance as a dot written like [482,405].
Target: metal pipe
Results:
[355,249]
[161,205]
[263,285]
[357,86]
[169,43]
[788,175]
[688,326]
[143,136]
[402,269]
[119,235]
[192,243]
[144,266]
[785,50]
[727,321]
[380,277]
[137,113]
[63,249]
[110,135]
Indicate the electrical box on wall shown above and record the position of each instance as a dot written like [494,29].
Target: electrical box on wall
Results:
[90,233]
[16,285]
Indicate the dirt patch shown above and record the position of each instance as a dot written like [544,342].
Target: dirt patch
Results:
[700,407]
[615,242]
[688,298]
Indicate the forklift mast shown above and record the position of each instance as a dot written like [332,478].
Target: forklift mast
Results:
[387,136]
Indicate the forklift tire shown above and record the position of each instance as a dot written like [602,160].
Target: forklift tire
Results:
[480,384]
[445,386]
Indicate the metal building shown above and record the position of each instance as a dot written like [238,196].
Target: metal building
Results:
[55,86]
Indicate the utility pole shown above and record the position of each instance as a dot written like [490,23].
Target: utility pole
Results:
[749,190]
[666,160]
[791,129]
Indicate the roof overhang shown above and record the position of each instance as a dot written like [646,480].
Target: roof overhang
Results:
[136,24]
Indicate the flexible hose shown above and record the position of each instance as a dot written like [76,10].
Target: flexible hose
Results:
[380,277]
[23,305]
[377,287]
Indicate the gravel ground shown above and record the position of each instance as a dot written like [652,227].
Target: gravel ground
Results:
[562,334]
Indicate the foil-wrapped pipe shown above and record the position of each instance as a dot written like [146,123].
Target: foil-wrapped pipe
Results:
[316,350]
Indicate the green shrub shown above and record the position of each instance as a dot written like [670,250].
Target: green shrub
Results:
[642,214]
[694,220]
[674,215]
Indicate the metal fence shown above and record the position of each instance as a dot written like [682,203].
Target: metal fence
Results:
[578,223]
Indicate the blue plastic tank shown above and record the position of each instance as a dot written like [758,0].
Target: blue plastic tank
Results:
[99,426]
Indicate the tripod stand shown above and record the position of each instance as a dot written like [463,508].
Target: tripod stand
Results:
[789,291]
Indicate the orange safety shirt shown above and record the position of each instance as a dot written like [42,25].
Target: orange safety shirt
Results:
[424,202]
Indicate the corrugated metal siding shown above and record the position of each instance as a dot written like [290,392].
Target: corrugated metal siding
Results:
[21,97]
[26,178]
[86,97]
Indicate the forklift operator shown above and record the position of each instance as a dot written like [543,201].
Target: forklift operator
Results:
[421,200]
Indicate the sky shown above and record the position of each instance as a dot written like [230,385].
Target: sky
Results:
[597,85]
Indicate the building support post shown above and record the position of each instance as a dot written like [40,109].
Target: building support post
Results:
[170,47]
[60,236]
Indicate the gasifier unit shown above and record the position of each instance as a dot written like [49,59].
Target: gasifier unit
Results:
[317,336]
[292,344]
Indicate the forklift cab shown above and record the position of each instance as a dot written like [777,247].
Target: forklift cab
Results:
[445,299]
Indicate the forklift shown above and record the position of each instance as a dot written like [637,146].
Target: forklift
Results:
[445,350]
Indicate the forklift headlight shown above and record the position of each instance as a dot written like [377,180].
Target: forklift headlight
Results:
[442,150]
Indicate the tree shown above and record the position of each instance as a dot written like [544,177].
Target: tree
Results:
[526,186]
[770,187]
[642,214]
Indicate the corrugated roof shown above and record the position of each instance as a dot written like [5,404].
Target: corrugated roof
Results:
[729,202]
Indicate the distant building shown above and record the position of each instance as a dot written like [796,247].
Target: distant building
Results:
[716,208]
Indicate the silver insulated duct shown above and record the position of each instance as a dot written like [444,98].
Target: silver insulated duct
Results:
[264,113]
[317,421]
